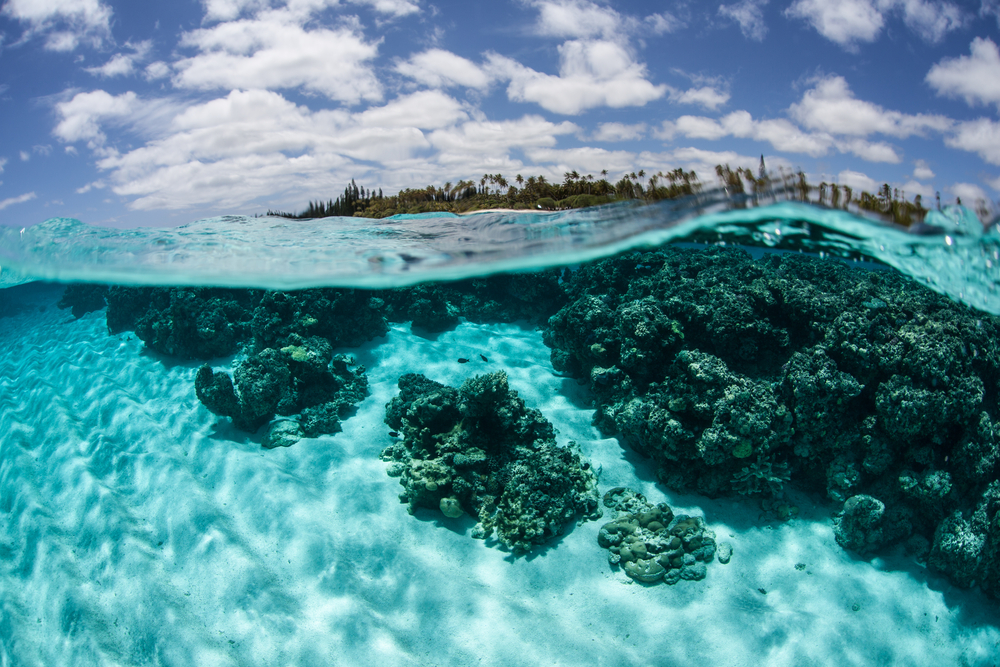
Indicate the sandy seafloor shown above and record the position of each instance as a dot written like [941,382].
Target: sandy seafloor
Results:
[136,528]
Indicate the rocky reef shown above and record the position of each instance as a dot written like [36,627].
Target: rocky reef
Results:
[651,544]
[303,380]
[480,450]
[742,376]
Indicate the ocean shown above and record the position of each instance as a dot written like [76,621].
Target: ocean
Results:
[746,432]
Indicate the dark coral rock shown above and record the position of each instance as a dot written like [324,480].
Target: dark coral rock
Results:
[187,322]
[436,307]
[301,378]
[478,449]
[344,317]
[651,544]
[83,298]
[793,370]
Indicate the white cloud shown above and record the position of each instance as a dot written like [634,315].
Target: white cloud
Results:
[994,183]
[586,160]
[481,136]
[975,78]
[119,65]
[844,22]
[990,7]
[749,14]
[123,64]
[980,136]
[931,19]
[877,151]
[272,51]
[10,201]
[81,116]
[664,22]
[912,188]
[25,156]
[857,181]
[922,171]
[440,69]
[95,185]
[830,106]
[780,133]
[705,96]
[157,70]
[969,192]
[591,74]
[619,132]
[428,110]
[3,161]
[848,22]
[67,23]
[228,10]
[577,19]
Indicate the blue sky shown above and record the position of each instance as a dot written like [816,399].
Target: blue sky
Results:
[148,113]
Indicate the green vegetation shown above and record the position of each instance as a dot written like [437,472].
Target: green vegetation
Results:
[578,191]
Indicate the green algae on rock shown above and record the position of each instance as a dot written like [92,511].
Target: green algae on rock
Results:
[480,450]
[651,544]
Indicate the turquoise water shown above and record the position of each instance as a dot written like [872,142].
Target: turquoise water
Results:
[770,397]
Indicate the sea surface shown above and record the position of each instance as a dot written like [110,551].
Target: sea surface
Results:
[139,528]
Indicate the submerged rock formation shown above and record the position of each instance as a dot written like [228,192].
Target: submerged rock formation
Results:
[479,450]
[303,378]
[741,376]
[651,544]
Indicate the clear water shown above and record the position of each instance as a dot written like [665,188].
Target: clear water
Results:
[136,528]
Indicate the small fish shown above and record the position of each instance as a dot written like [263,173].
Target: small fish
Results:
[393,434]
[462,360]
[483,357]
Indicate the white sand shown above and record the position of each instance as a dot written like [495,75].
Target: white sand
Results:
[137,528]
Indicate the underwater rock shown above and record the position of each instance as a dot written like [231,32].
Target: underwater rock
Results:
[435,307]
[344,317]
[303,378]
[651,544]
[83,298]
[743,376]
[480,450]
[184,322]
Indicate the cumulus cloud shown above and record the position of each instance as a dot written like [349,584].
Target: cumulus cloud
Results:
[577,19]
[586,160]
[749,14]
[969,193]
[980,136]
[830,106]
[427,110]
[619,132]
[780,133]
[65,23]
[80,118]
[228,10]
[479,136]
[932,20]
[975,78]
[10,201]
[845,22]
[438,68]
[708,97]
[122,64]
[591,74]
[994,183]
[921,171]
[273,51]
[3,161]
[857,181]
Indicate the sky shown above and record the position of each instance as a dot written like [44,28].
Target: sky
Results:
[134,113]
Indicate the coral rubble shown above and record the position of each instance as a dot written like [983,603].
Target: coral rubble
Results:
[651,544]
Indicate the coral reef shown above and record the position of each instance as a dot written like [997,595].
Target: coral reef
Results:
[651,544]
[83,298]
[480,450]
[743,376]
[303,378]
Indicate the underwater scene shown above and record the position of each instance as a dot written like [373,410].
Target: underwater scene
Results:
[751,431]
